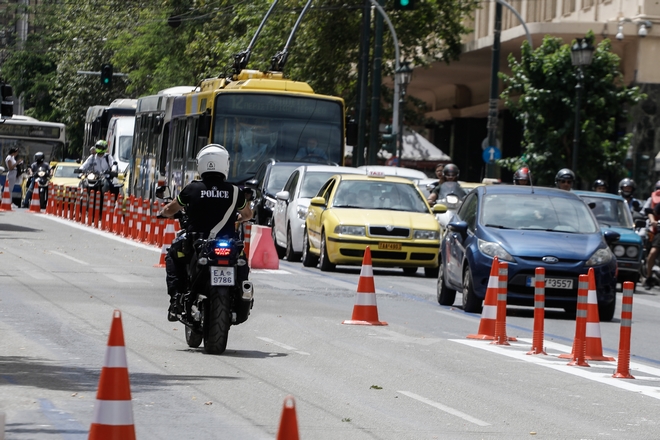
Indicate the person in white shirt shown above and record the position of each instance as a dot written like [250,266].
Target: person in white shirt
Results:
[12,172]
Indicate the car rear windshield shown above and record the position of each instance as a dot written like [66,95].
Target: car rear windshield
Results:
[65,172]
[537,212]
[279,174]
[379,194]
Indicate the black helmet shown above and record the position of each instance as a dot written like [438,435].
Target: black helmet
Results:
[39,157]
[627,182]
[522,174]
[564,174]
[597,183]
[450,169]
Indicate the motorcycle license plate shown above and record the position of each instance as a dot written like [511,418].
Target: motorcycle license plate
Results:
[553,283]
[222,276]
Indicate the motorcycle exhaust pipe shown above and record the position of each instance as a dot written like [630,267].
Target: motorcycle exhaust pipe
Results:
[248,292]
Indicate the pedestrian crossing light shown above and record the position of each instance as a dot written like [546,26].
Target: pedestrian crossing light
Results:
[106,75]
[404,5]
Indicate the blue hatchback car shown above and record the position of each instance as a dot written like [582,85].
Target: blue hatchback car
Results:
[528,227]
[612,212]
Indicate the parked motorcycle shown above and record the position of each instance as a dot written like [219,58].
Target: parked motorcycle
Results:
[219,293]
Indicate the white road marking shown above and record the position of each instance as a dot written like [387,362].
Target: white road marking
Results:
[102,233]
[70,258]
[126,278]
[281,345]
[447,409]
[37,274]
[277,271]
[645,302]
[598,371]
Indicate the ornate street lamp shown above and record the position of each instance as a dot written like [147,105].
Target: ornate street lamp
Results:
[582,53]
[403,78]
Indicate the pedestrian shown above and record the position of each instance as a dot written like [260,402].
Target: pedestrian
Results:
[13,166]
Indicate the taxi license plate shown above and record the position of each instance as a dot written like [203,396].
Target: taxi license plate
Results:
[390,246]
[553,283]
[222,276]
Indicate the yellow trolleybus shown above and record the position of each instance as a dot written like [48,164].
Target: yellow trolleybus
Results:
[256,116]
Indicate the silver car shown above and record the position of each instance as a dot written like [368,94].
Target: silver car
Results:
[292,203]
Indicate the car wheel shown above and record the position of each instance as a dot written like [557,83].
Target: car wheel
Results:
[290,254]
[410,270]
[606,311]
[446,296]
[279,249]
[431,272]
[471,303]
[308,260]
[324,262]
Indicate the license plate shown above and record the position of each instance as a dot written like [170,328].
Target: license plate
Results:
[222,276]
[553,283]
[390,246]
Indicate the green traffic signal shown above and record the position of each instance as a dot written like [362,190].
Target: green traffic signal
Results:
[404,5]
[106,75]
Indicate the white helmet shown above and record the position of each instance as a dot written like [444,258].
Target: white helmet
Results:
[213,158]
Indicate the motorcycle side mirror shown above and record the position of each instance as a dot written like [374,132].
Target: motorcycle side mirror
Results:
[640,223]
[591,205]
[77,170]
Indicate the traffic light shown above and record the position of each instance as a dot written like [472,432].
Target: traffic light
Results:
[106,75]
[389,140]
[7,105]
[404,5]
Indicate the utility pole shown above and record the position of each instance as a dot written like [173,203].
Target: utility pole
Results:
[376,79]
[363,77]
[494,89]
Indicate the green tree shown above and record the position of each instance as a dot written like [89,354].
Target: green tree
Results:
[541,94]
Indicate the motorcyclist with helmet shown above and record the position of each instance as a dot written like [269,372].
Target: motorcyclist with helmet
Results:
[102,162]
[599,185]
[212,206]
[39,164]
[522,176]
[450,174]
[627,188]
[652,209]
[565,179]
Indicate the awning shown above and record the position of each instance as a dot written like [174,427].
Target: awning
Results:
[415,148]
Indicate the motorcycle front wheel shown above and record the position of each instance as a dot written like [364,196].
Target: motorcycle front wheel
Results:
[217,320]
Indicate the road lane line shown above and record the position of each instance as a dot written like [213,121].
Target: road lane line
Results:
[70,258]
[281,345]
[518,350]
[447,409]
[270,271]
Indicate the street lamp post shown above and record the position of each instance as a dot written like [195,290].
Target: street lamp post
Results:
[582,53]
[403,77]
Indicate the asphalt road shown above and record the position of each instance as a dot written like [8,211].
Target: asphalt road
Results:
[419,377]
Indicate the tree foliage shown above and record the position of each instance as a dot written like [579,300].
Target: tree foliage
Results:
[541,94]
[134,36]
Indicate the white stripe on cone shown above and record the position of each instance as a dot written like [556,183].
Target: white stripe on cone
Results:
[489,312]
[493,282]
[115,357]
[593,330]
[113,412]
[367,271]
[365,299]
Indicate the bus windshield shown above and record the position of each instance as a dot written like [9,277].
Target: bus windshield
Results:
[257,126]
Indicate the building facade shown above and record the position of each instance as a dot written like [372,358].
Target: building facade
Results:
[457,94]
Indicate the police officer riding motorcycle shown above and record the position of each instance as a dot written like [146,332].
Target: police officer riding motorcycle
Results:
[207,272]
[40,173]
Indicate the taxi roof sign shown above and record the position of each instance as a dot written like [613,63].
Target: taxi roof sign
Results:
[374,173]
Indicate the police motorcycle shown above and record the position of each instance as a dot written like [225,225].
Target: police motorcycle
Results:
[219,293]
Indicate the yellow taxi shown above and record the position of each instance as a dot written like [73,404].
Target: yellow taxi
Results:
[388,214]
[63,174]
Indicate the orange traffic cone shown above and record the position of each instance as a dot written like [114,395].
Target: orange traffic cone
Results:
[169,236]
[365,310]
[263,254]
[289,422]
[489,311]
[6,198]
[113,410]
[35,203]
[594,344]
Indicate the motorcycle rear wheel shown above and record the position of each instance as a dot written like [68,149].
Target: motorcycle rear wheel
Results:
[217,320]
